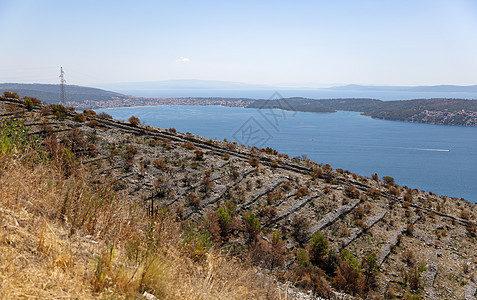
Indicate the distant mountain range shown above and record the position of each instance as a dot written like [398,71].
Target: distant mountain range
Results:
[425,89]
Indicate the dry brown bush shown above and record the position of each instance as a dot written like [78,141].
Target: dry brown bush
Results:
[134,120]
[188,145]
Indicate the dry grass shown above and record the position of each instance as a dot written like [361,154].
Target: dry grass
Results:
[68,238]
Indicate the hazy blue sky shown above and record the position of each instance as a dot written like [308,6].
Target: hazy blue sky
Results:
[401,42]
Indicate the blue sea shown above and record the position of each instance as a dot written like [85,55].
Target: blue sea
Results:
[437,158]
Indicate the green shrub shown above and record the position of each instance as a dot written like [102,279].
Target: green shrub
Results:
[252,227]
[225,221]
[388,180]
[303,257]
[318,248]
[350,259]
[29,103]
[59,111]
[14,136]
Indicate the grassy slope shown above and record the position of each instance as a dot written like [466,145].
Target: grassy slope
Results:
[62,236]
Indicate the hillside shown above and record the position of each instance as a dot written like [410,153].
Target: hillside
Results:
[297,222]
[432,111]
[50,93]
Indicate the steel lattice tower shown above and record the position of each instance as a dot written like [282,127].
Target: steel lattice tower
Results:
[62,82]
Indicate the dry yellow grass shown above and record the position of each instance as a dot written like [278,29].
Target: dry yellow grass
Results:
[69,238]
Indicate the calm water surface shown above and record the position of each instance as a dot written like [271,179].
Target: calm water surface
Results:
[437,158]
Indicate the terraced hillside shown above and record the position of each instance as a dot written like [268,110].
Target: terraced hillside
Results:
[300,221]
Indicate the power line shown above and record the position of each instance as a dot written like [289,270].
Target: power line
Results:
[62,82]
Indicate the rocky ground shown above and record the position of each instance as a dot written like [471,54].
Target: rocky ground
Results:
[411,232]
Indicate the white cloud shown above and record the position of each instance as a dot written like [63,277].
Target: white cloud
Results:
[182,59]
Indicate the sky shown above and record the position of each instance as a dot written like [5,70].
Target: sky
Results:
[283,43]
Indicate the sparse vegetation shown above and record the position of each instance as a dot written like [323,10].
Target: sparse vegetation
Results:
[140,217]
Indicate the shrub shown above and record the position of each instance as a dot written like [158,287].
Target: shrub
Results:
[252,228]
[207,184]
[13,137]
[193,200]
[29,103]
[303,258]
[188,145]
[302,191]
[375,177]
[8,94]
[79,118]
[414,278]
[211,224]
[332,261]
[373,193]
[300,226]
[134,120]
[199,155]
[350,259]
[410,228]
[104,115]
[76,139]
[93,124]
[360,223]
[313,279]
[276,255]
[464,214]
[358,213]
[318,248]
[348,279]
[225,222]
[316,172]
[59,111]
[408,258]
[231,146]
[352,192]
[172,130]
[46,111]
[407,197]
[35,101]
[269,212]
[370,269]
[388,180]
[129,152]
[89,113]
[161,165]
[254,161]
[275,163]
